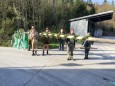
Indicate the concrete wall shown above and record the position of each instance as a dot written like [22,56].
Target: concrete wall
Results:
[80,27]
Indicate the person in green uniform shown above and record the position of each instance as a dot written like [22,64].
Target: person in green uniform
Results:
[70,44]
[46,40]
[61,39]
[87,46]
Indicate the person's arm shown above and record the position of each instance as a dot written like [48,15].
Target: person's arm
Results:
[28,32]
[84,43]
[68,41]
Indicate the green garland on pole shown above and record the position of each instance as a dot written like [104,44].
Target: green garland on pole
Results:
[20,39]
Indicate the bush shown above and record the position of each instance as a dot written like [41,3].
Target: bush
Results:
[6,43]
[54,45]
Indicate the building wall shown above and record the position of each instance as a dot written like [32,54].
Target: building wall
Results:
[80,27]
[91,27]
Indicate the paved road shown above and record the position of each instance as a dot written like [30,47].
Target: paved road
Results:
[19,68]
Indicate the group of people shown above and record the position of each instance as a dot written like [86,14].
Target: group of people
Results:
[70,40]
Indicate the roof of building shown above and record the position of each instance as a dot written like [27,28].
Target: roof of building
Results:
[96,17]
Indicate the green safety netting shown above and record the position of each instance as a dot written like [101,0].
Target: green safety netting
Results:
[20,39]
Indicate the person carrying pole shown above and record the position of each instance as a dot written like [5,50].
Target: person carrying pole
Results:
[33,40]
[87,46]
[70,44]
[46,37]
[61,39]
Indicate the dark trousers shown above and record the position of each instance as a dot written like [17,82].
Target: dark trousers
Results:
[87,52]
[29,44]
[70,48]
[74,43]
[61,45]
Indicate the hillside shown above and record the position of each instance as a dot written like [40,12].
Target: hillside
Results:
[109,25]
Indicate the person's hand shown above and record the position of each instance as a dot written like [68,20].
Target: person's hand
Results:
[88,47]
[32,37]
[68,42]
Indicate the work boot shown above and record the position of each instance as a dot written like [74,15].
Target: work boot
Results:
[43,53]
[86,58]
[47,52]
[29,48]
[71,58]
[33,53]
[68,58]
[36,52]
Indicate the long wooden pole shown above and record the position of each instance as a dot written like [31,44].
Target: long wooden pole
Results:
[101,40]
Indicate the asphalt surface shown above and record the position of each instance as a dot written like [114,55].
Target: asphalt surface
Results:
[19,68]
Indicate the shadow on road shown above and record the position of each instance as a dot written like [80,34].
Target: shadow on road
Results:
[14,76]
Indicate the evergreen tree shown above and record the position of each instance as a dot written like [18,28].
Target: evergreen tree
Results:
[89,1]
[105,1]
[16,14]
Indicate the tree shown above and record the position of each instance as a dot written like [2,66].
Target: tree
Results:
[105,1]
[55,14]
[89,1]
[113,2]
